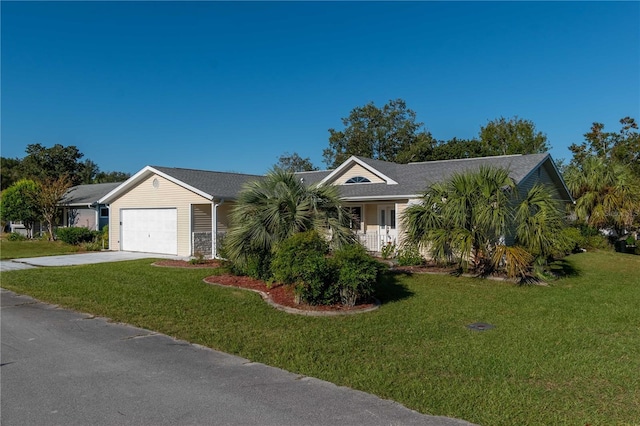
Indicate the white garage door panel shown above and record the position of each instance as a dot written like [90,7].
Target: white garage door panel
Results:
[149,230]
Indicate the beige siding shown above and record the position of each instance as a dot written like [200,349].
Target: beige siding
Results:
[223,216]
[356,170]
[400,208]
[201,218]
[371,218]
[166,195]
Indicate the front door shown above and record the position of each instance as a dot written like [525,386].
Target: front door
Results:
[387,221]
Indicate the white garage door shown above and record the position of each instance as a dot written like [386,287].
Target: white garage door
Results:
[149,230]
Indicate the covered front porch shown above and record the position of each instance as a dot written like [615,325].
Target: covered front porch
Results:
[376,223]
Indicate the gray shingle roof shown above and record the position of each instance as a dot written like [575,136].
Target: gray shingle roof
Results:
[217,184]
[412,179]
[82,195]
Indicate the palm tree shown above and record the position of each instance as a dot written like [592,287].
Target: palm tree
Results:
[463,218]
[607,193]
[539,222]
[468,218]
[276,207]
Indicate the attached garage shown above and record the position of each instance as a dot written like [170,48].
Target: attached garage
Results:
[172,211]
[149,230]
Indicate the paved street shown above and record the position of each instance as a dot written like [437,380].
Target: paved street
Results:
[65,368]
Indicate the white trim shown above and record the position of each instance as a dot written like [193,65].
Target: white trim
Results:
[348,162]
[141,175]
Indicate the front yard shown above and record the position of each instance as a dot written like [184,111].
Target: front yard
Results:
[562,354]
[33,248]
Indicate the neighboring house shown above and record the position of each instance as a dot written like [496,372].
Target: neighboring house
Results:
[18,227]
[185,212]
[80,206]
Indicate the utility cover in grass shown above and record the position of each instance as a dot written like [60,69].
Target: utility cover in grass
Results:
[480,326]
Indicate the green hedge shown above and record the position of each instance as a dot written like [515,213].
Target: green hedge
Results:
[76,235]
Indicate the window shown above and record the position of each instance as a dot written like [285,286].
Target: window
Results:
[356,217]
[358,179]
[104,212]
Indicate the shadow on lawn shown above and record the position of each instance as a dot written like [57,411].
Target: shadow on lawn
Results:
[390,289]
[563,269]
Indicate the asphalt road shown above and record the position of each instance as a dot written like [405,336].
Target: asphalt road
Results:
[60,367]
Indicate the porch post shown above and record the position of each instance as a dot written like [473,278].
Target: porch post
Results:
[214,231]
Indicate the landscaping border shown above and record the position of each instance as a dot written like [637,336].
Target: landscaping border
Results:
[296,311]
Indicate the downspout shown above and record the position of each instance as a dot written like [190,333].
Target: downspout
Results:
[214,229]
[94,206]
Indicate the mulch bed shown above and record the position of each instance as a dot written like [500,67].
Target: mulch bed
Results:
[278,294]
[283,296]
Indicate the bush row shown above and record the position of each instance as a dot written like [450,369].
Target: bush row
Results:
[90,240]
[303,261]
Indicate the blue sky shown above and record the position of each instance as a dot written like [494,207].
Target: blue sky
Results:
[230,86]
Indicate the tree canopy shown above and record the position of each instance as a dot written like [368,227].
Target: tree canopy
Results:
[43,163]
[294,163]
[604,177]
[391,133]
[19,202]
[378,133]
[511,136]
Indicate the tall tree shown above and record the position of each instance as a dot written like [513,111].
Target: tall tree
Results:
[458,148]
[9,171]
[107,177]
[607,193]
[622,146]
[512,136]
[87,172]
[294,163]
[19,203]
[48,199]
[50,163]
[379,133]
[604,177]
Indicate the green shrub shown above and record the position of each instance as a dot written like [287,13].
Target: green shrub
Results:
[388,251]
[76,235]
[16,236]
[105,237]
[301,261]
[409,255]
[356,273]
[95,245]
[571,241]
[592,238]
[198,259]
[257,265]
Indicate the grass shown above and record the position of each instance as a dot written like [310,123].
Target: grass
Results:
[33,248]
[562,354]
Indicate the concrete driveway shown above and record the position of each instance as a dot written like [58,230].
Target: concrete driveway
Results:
[66,368]
[79,259]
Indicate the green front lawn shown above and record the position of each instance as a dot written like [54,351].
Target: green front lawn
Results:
[33,248]
[562,354]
